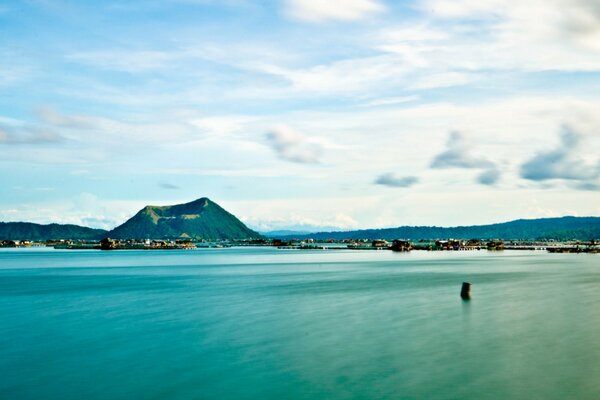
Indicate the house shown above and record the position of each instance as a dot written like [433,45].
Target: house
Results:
[401,245]
[109,244]
[450,244]
[379,243]
[495,245]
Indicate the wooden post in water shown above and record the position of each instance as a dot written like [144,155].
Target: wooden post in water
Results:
[465,291]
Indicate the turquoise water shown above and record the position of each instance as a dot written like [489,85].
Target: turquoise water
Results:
[261,323]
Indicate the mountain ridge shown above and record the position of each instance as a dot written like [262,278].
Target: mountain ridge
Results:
[178,218]
[37,232]
[558,228]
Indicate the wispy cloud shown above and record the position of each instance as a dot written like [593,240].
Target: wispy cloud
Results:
[169,186]
[493,35]
[389,101]
[442,80]
[319,11]
[15,68]
[52,117]
[458,155]
[150,129]
[393,180]
[563,163]
[347,76]
[291,145]
[571,21]
[17,135]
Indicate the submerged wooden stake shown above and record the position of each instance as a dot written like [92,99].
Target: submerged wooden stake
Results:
[465,291]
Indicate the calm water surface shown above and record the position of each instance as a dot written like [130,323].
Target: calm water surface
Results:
[253,323]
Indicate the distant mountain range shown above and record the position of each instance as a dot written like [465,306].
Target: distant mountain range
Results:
[31,231]
[205,219]
[580,228]
[199,219]
[285,232]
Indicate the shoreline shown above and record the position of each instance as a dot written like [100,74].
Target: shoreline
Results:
[407,246]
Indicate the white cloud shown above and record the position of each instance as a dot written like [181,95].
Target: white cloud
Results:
[415,56]
[464,8]
[577,21]
[319,10]
[351,75]
[535,35]
[441,80]
[223,126]
[388,101]
[291,145]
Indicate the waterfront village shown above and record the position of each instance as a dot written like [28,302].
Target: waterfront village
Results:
[398,245]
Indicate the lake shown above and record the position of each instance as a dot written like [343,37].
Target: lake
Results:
[262,323]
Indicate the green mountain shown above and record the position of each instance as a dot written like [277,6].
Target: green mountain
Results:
[200,219]
[579,228]
[31,231]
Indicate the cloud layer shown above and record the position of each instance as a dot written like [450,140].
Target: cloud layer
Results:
[276,102]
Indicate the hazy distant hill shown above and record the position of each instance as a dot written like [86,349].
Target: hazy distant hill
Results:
[31,231]
[204,219]
[199,219]
[582,228]
[285,233]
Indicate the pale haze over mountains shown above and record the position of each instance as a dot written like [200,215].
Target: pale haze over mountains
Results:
[203,219]
[301,115]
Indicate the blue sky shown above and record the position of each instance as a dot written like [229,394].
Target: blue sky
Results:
[301,114]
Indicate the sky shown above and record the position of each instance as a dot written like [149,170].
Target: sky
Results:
[300,114]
